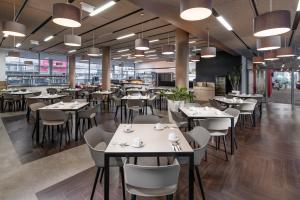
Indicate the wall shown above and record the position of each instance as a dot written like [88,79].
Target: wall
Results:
[221,65]
[3,53]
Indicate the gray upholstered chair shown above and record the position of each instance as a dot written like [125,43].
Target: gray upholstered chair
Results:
[117,102]
[87,115]
[151,103]
[58,118]
[97,140]
[151,181]
[218,128]
[235,113]
[217,104]
[146,119]
[247,109]
[179,119]
[134,105]
[33,108]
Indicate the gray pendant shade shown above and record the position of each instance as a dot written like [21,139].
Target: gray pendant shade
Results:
[65,14]
[195,58]
[193,10]
[272,23]
[257,60]
[72,40]
[285,52]
[141,44]
[268,43]
[208,52]
[270,56]
[14,54]
[84,58]
[168,49]
[139,53]
[92,51]
[28,62]
[14,29]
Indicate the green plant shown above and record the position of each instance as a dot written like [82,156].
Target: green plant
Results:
[179,94]
[235,78]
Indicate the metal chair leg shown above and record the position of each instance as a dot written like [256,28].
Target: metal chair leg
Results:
[224,142]
[200,182]
[95,183]
[123,182]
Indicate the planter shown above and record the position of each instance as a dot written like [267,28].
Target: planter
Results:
[174,106]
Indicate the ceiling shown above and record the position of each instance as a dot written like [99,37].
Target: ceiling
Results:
[125,17]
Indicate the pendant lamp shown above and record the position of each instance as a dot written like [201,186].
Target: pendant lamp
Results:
[139,53]
[13,28]
[72,40]
[268,43]
[168,49]
[93,51]
[272,23]
[208,52]
[195,58]
[66,14]
[193,10]
[270,56]
[258,60]
[285,51]
[142,43]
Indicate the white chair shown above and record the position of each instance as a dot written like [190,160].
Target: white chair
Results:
[134,105]
[151,181]
[236,114]
[97,140]
[247,109]
[217,127]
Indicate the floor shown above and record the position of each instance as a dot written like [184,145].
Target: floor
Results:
[265,166]
[284,96]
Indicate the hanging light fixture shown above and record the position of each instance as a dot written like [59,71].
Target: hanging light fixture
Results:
[258,60]
[270,56]
[168,49]
[142,43]
[195,58]
[285,51]
[72,40]
[208,52]
[139,53]
[66,14]
[13,28]
[93,51]
[272,23]
[193,10]
[268,43]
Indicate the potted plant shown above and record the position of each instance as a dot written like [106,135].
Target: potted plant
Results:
[176,98]
[235,78]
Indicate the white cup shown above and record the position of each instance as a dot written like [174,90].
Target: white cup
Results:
[128,127]
[158,126]
[137,142]
[172,136]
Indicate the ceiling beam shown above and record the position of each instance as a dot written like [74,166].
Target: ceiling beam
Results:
[20,10]
[294,26]
[254,7]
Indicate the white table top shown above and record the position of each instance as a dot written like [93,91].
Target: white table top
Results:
[23,92]
[248,95]
[73,89]
[47,96]
[154,140]
[204,112]
[235,101]
[136,97]
[70,106]
[103,92]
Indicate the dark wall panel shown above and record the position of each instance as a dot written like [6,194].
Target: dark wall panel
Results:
[221,65]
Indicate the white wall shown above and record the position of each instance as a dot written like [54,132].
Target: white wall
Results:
[3,54]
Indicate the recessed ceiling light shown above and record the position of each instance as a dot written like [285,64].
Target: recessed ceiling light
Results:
[116,58]
[150,51]
[102,8]
[18,45]
[197,49]
[192,10]
[123,50]
[125,36]
[224,23]
[191,42]
[48,38]
[72,51]
[156,40]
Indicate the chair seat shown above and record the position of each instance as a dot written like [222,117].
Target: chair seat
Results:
[113,162]
[218,133]
[245,113]
[147,192]
[137,108]
[53,123]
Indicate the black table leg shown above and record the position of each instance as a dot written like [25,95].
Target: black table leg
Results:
[23,102]
[160,99]
[121,110]
[232,136]
[106,177]
[189,124]
[191,177]
[260,109]
[76,126]
[146,106]
[37,125]
[254,118]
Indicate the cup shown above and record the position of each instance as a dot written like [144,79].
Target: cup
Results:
[158,126]
[172,136]
[128,127]
[137,142]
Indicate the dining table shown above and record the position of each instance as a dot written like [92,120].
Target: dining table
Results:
[48,97]
[74,107]
[144,98]
[155,143]
[258,97]
[22,94]
[192,113]
[105,93]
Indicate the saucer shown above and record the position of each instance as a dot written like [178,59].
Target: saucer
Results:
[142,145]
[128,130]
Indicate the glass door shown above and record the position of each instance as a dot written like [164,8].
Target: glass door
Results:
[281,87]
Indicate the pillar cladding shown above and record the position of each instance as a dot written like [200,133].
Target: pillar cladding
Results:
[106,68]
[182,56]
[71,61]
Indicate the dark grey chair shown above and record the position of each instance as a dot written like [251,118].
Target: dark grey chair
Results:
[146,119]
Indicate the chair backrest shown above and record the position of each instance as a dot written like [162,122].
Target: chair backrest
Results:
[177,116]
[151,177]
[30,101]
[37,93]
[67,99]
[7,96]
[34,106]
[216,124]
[94,137]
[52,115]
[89,113]
[80,100]
[251,100]
[52,90]
[201,136]
[248,106]
[134,102]
[213,103]
[146,119]
[117,100]
[233,112]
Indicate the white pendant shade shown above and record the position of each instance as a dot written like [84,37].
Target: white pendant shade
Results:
[272,23]
[195,58]
[141,44]
[208,52]
[270,56]
[14,29]
[94,52]
[268,43]
[168,49]
[258,60]
[193,10]
[65,14]
[72,40]
[285,52]
[139,53]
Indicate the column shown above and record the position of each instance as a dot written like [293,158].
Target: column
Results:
[71,62]
[182,55]
[2,68]
[106,68]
